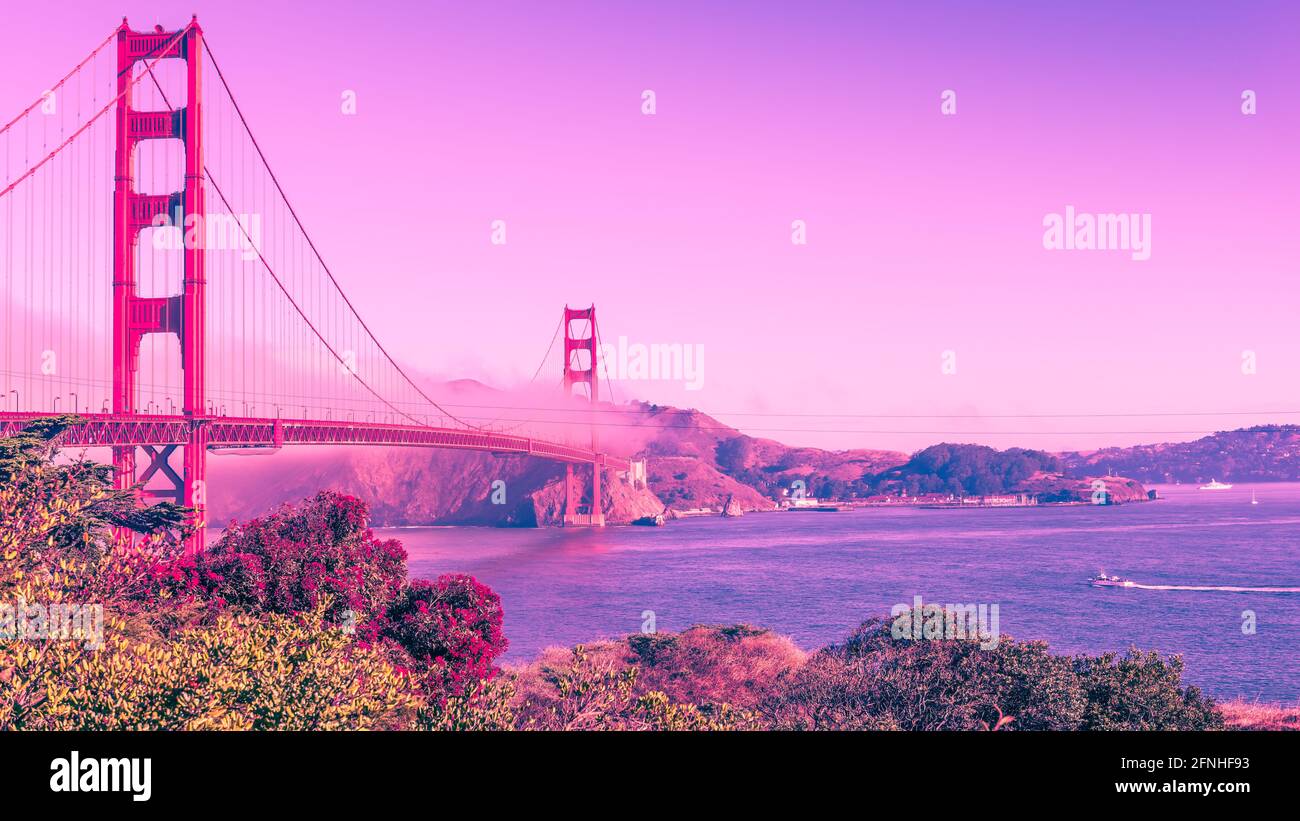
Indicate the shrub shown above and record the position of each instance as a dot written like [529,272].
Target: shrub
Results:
[56,526]
[479,706]
[296,559]
[876,681]
[321,555]
[1140,691]
[57,547]
[270,664]
[68,509]
[279,672]
[955,684]
[450,628]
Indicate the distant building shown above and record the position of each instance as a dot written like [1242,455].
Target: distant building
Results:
[1005,500]
[805,502]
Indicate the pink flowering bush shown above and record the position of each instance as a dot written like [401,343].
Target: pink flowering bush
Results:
[322,553]
[450,628]
[296,558]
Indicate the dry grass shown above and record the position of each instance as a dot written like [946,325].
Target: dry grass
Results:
[738,665]
[532,679]
[1251,715]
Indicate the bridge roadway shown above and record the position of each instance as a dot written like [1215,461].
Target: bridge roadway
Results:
[108,429]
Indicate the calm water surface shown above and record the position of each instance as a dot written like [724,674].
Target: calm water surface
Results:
[815,576]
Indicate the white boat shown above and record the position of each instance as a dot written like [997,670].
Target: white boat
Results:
[1102,580]
[1253,500]
[1215,484]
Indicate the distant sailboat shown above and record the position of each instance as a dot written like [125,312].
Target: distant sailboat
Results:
[1253,500]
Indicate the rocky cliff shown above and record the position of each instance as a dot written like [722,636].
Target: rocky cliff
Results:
[414,486]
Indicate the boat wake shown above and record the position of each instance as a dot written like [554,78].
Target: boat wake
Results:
[1102,580]
[1215,588]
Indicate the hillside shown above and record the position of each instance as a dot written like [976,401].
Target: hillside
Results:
[728,461]
[978,470]
[1265,453]
[694,461]
[687,482]
[964,470]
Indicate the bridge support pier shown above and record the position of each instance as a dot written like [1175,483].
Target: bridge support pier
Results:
[195,492]
[577,514]
[579,368]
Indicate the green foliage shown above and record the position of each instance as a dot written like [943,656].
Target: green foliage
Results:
[964,470]
[71,506]
[481,706]
[281,673]
[56,520]
[1141,691]
[161,665]
[877,681]
[738,664]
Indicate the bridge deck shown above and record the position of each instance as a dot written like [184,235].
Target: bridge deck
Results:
[107,429]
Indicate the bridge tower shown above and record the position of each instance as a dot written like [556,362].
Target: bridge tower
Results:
[135,316]
[575,512]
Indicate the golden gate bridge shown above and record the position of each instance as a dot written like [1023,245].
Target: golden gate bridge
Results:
[136,198]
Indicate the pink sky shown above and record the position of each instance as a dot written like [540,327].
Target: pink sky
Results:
[924,231]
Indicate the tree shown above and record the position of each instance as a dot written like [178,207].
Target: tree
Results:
[451,629]
[296,558]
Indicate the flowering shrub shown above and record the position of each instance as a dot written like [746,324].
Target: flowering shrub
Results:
[451,629]
[296,559]
[321,554]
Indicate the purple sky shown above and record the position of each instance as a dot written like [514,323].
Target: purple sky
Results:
[924,231]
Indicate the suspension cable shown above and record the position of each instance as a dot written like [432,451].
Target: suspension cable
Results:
[311,244]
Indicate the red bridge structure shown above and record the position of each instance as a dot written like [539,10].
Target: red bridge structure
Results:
[228,330]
